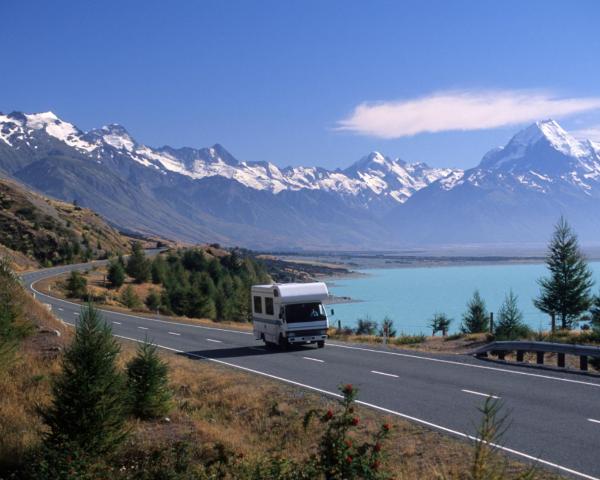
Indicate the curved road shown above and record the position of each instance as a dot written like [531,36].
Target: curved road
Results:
[555,416]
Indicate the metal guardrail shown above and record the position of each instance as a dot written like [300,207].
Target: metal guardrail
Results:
[540,348]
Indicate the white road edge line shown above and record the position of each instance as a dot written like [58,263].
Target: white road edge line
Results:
[383,373]
[382,409]
[174,333]
[472,392]
[314,359]
[215,341]
[593,420]
[463,364]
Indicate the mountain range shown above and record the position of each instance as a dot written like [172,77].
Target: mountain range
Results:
[514,195]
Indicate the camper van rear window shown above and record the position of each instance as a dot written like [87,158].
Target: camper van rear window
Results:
[257,304]
[269,306]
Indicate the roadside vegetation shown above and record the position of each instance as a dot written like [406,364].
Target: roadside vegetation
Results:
[202,282]
[79,405]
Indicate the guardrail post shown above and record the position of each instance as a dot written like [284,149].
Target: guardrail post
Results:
[540,358]
[492,323]
[561,360]
[583,362]
[520,355]
[501,355]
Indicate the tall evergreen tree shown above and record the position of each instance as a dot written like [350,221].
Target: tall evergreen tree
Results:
[566,292]
[88,406]
[148,383]
[510,324]
[138,266]
[475,319]
[595,314]
[115,275]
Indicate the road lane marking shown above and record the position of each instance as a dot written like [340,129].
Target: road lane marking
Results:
[480,394]
[61,309]
[174,333]
[215,341]
[117,323]
[383,373]
[463,364]
[142,328]
[75,313]
[593,420]
[381,409]
[313,359]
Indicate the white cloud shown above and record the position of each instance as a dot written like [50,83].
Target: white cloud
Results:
[460,110]
[592,133]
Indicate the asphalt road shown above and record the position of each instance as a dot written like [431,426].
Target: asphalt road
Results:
[555,416]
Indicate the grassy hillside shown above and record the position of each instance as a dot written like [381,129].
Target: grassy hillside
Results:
[50,232]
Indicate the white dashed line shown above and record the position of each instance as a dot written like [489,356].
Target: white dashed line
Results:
[211,340]
[480,394]
[174,333]
[117,323]
[61,309]
[75,313]
[383,373]
[142,328]
[314,359]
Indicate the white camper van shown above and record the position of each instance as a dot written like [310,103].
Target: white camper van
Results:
[290,313]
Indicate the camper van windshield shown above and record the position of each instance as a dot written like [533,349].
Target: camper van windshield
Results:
[304,312]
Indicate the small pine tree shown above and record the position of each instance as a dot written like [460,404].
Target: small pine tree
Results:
[566,292]
[387,328]
[76,285]
[440,323]
[148,383]
[510,324]
[88,397]
[13,326]
[129,298]
[153,301]
[116,275]
[475,319]
[158,270]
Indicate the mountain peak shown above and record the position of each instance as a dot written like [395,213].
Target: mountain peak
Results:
[553,134]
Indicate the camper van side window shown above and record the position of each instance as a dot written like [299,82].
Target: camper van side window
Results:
[269,306]
[257,304]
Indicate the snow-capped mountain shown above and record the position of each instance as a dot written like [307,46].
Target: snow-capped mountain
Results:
[374,176]
[515,194]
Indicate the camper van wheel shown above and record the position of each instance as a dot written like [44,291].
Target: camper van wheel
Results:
[283,343]
[321,344]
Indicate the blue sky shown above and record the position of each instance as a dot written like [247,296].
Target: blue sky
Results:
[307,82]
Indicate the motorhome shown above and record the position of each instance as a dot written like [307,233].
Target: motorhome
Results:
[290,313]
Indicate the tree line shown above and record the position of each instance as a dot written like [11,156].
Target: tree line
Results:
[187,282]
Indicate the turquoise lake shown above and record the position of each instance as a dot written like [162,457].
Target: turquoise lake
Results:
[410,296]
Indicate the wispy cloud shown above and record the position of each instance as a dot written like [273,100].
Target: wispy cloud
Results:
[592,133]
[460,110]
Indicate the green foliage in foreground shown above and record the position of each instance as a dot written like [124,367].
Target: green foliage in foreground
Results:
[87,413]
[148,383]
[13,327]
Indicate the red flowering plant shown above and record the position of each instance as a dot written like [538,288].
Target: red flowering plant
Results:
[339,455]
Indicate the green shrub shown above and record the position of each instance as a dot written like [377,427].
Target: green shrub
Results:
[403,339]
[129,298]
[76,285]
[148,383]
[365,326]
